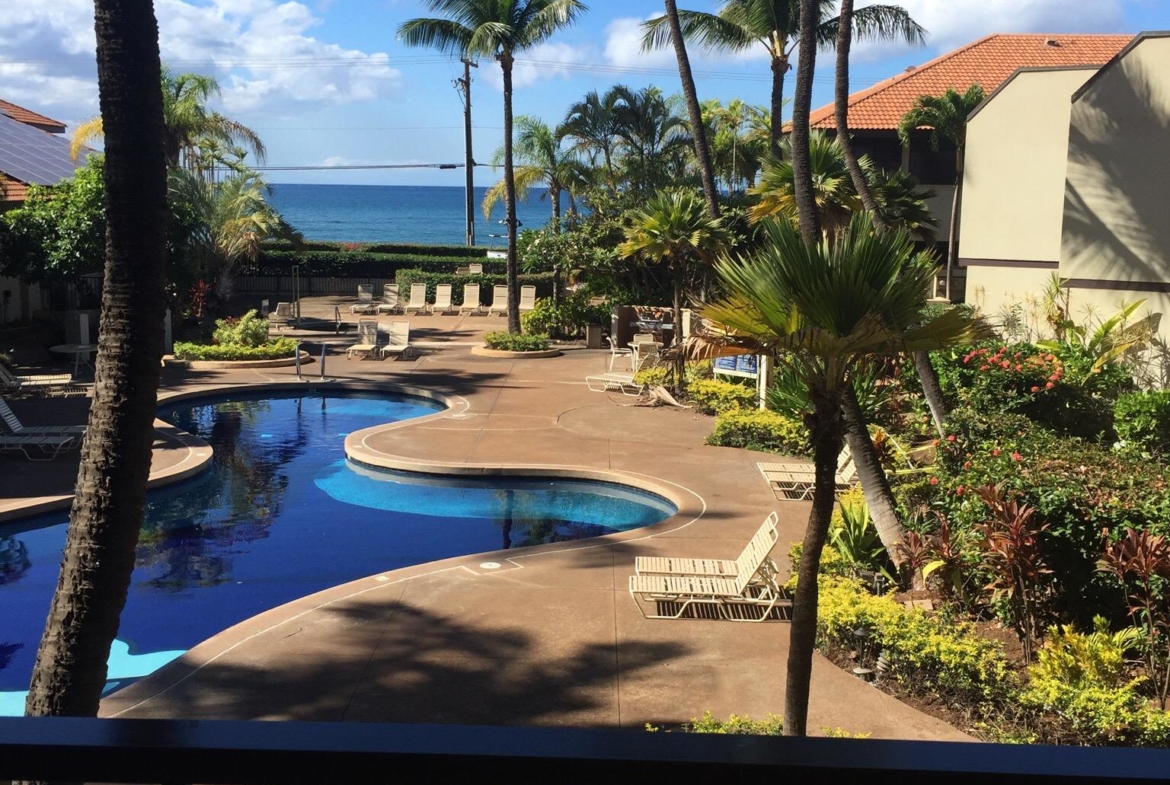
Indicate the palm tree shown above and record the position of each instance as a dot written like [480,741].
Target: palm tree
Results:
[946,117]
[827,307]
[740,25]
[737,155]
[653,137]
[698,130]
[190,126]
[593,125]
[539,159]
[674,228]
[499,29]
[70,670]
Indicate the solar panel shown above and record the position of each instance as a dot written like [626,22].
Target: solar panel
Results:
[33,156]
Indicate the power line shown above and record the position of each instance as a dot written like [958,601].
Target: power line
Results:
[341,167]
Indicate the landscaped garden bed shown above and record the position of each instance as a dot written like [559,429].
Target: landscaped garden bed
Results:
[239,343]
[506,345]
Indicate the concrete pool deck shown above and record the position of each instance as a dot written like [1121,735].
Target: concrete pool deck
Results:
[551,636]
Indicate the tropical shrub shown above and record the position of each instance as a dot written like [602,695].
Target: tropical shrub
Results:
[405,278]
[655,376]
[1142,421]
[771,725]
[715,396]
[854,536]
[764,430]
[513,342]
[251,330]
[568,319]
[277,349]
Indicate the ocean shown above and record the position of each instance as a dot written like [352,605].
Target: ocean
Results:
[398,213]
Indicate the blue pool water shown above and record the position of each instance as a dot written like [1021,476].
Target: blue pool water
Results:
[281,514]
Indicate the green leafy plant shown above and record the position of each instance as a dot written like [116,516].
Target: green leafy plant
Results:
[655,376]
[770,725]
[567,320]
[760,430]
[278,349]
[715,396]
[1106,341]
[1142,421]
[249,330]
[516,342]
[855,538]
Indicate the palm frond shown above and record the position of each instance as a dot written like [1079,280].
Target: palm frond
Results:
[707,31]
[445,35]
[548,17]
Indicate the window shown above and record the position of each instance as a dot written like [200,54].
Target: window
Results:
[884,150]
[932,167]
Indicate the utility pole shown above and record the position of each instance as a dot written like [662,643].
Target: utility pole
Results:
[464,86]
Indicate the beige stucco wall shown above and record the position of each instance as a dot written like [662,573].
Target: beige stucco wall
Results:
[1014,172]
[992,290]
[1117,194]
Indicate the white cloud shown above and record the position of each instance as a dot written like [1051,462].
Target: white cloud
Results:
[256,48]
[549,60]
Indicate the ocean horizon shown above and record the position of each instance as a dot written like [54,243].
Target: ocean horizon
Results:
[432,214]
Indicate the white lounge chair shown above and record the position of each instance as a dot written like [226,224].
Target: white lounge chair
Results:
[367,339]
[843,460]
[418,299]
[527,298]
[365,303]
[390,302]
[475,269]
[800,485]
[399,340]
[753,559]
[499,300]
[45,445]
[463,271]
[20,429]
[281,316]
[46,381]
[442,299]
[470,299]
[616,380]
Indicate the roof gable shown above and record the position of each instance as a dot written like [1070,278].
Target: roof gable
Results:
[29,117]
[989,62]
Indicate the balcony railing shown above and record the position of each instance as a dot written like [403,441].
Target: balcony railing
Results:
[177,752]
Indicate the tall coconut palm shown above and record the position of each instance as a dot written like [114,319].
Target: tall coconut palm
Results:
[70,670]
[946,118]
[592,124]
[539,159]
[499,29]
[675,229]
[698,129]
[827,307]
[190,125]
[740,25]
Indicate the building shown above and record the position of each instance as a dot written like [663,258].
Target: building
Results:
[1068,172]
[874,113]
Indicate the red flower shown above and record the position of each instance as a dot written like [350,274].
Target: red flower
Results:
[934,480]
[995,452]
[951,438]
[1017,457]
[1005,365]
[1037,389]
[1054,377]
[983,367]
[967,465]
[1049,386]
[959,490]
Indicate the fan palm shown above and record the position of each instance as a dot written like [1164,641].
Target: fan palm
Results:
[946,118]
[826,307]
[190,126]
[499,29]
[740,25]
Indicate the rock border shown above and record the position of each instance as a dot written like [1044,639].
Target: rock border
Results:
[500,354]
[227,365]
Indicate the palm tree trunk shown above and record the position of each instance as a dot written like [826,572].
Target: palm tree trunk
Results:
[776,132]
[698,130]
[70,669]
[932,391]
[555,193]
[679,359]
[883,509]
[825,426]
[510,199]
[806,207]
[953,232]
[841,113]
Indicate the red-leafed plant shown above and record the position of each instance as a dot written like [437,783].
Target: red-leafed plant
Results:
[1012,554]
[1141,562]
[914,550]
[949,558]
[197,295]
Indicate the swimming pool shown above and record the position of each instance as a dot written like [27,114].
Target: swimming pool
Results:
[281,514]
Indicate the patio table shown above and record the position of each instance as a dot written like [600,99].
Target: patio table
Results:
[80,352]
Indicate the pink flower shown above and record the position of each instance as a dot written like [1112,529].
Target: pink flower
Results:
[1054,377]
[934,480]
[1017,457]
[959,490]
[995,452]
[1037,389]
[1049,385]
[951,438]
[983,367]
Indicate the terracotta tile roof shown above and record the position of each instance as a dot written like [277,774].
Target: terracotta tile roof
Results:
[29,117]
[13,190]
[988,62]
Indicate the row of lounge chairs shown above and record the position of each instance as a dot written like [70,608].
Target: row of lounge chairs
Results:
[48,383]
[417,303]
[37,442]
[370,344]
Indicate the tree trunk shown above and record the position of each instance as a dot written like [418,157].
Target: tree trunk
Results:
[953,232]
[555,193]
[676,339]
[825,426]
[932,391]
[70,670]
[698,130]
[841,113]
[510,199]
[776,132]
[806,207]
[883,509]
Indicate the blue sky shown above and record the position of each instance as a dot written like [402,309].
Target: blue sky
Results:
[325,82]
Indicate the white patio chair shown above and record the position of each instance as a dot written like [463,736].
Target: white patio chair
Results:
[45,381]
[752,560]
[442,299]
[527,298]
[499,300]
[418,299]
[365,303]
[367,339]
[800,485]
[20,429]
[398,342]
[40,447]
[390,302]
[475,269]
[470,299]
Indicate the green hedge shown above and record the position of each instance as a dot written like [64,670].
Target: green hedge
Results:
[415,249]
[1142,421]
[715,396]
[509,342]
[405,278]
[356,264]
[273,350]
[756,429]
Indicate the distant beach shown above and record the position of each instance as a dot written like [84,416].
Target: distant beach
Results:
[396,213]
